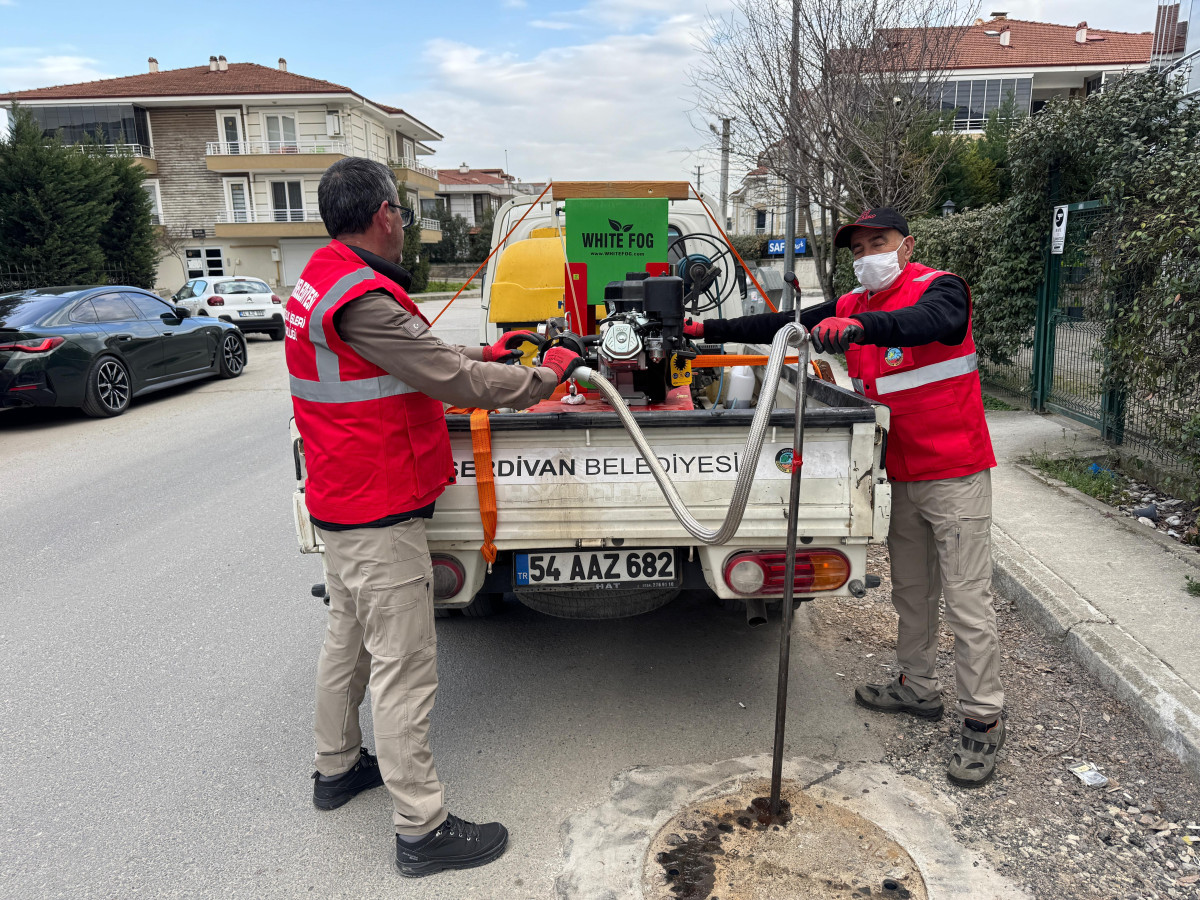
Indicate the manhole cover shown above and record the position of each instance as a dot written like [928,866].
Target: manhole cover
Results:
[729,848]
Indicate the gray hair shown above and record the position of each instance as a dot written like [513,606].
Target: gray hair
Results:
[350,193]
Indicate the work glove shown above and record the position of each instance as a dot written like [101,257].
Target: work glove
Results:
[508,348]
[562,361]
[835,335]
[694,330]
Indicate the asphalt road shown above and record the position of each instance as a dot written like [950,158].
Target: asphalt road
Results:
[158,648]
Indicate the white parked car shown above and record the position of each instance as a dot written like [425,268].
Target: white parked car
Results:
[246,302]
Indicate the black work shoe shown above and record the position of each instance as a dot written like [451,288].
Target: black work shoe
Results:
[974,760]
[897,696]
[339,791]
[457,844]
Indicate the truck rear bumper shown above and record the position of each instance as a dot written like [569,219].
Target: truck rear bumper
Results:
[700,568]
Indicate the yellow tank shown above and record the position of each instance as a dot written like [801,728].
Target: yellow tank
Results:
[528,287]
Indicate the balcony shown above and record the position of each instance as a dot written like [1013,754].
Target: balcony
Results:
[253,156]
[142,154]
[431,230]
[268,222]
[414,174]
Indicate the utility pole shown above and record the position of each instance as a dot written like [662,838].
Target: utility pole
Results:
[789,227]
[724,173]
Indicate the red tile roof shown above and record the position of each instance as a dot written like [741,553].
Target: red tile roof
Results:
[240,79]
[471,176]
[1033,44]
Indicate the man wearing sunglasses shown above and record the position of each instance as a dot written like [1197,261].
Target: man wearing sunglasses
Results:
[368,382]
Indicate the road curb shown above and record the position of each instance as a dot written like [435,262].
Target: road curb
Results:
[1172,546]
[1165,702]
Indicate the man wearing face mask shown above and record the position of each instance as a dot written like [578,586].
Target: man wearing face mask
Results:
[906,333]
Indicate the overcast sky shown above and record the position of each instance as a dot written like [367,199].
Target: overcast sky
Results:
[577,90]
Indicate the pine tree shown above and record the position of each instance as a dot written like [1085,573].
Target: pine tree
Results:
[53,203]
[128,237]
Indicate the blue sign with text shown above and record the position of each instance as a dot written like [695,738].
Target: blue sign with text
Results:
[776,248]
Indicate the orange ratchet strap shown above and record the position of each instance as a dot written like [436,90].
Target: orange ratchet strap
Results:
[719,360]
[481,446]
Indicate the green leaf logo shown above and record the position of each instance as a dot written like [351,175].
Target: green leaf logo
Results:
[628,228]
[614,224]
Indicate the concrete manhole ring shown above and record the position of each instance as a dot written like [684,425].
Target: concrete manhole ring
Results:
[610,851]
[729,847]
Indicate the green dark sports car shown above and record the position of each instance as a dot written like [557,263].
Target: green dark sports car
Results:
[99,347]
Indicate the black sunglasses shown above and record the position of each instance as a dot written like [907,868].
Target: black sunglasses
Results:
[406,214]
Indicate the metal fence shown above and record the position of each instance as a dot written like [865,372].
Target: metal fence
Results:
[22,278]
[1062,366]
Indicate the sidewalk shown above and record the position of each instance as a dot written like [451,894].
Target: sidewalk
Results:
[1112,589]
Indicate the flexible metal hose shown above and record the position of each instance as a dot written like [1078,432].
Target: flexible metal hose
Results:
[791,335]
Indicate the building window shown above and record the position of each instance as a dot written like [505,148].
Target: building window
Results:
[237,200]
[760,221]
[151,188]
[204,262]
[429,209]
[281,133]
[480,205]
[973,100]
[105,123]
[287,199]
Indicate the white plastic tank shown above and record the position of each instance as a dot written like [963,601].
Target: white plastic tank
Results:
[741,387]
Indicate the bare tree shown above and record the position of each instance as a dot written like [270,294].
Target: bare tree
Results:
[856,131]
[172,242]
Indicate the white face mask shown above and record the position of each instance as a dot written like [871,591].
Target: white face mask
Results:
[878,271]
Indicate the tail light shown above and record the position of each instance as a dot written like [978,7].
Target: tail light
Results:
[34,345]
[276,300]
[754,572]
[448,576]
[215,301]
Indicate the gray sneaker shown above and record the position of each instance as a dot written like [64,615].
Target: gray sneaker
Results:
[897,696]
[974,760]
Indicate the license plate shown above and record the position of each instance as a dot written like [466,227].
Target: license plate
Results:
[598,569]
[251,313]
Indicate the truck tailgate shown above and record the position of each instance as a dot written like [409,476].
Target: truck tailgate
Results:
[567,478]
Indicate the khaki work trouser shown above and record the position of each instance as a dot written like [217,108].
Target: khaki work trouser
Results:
[940,543]
[381,631]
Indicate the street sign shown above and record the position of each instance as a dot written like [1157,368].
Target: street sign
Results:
[776,248]
[1058,236]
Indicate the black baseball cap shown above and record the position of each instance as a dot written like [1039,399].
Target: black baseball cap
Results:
[883,217]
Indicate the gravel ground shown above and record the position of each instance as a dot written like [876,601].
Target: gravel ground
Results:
[1136,838]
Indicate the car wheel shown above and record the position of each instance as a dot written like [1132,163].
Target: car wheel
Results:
[232,358]
[484,605]
[598,604]
[108,391]
[277,334]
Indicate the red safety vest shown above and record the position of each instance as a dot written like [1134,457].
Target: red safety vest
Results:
[938,427]
[373,445]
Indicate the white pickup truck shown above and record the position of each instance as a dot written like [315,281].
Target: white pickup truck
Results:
[582,528]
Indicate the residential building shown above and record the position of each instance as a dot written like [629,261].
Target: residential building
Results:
[997,58]
[1033,62]
[233,153]
[471,192]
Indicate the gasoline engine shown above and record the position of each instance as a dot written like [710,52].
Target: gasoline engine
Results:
[642,348]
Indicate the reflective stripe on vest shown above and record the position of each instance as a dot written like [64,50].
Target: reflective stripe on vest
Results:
[931,374]
[328,366]
[349,391]
[934,274]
